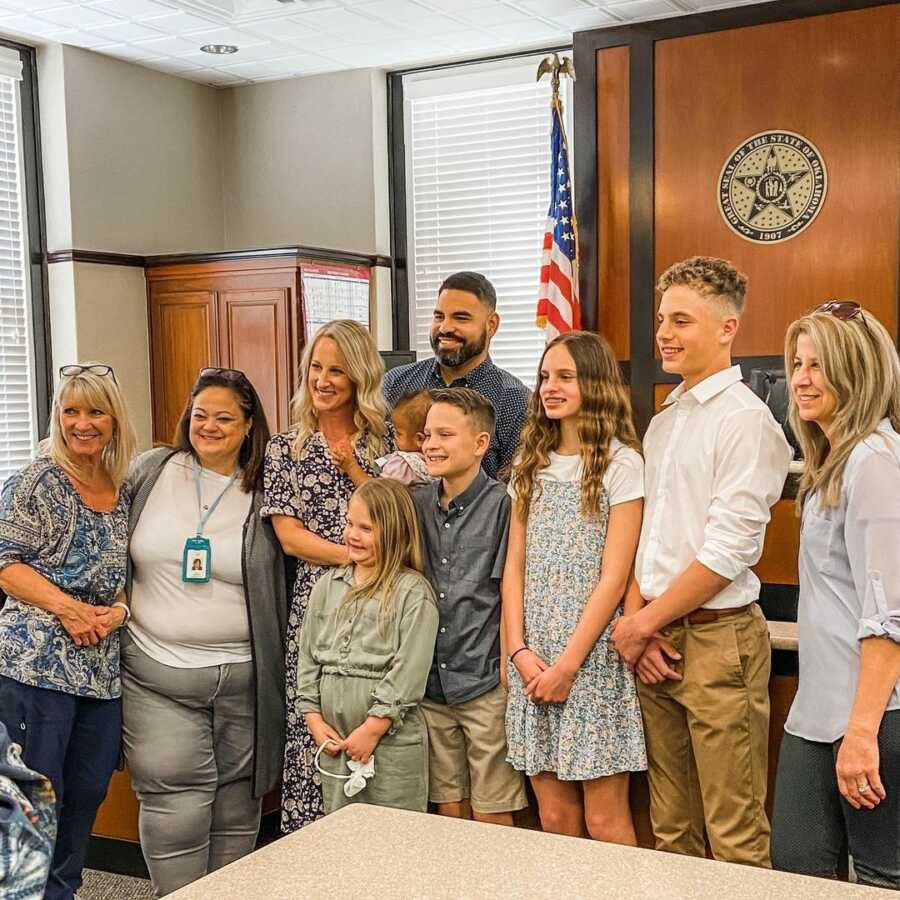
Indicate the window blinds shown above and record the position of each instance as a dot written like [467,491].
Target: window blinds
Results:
[478,169]
[16,383]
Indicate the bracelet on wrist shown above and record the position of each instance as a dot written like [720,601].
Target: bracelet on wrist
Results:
[512,656]
[124,607]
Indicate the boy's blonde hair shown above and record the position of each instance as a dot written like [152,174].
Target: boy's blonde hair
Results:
[397,544]
[93,391]
[713,278]
[859,362]
[365,369]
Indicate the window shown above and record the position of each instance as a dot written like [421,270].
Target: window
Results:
[18,406]
[477,190]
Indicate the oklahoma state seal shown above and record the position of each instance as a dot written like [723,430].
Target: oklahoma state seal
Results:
[772,186]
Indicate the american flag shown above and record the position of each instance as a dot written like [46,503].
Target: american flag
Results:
[558,307]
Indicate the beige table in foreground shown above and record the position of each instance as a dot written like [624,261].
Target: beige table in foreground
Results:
[386,854]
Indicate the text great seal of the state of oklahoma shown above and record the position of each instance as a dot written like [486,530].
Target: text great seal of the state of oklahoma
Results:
[772,186]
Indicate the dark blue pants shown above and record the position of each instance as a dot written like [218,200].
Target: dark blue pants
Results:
[75,742]
[812,824]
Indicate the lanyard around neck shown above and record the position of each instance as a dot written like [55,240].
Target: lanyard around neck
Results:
[204,517]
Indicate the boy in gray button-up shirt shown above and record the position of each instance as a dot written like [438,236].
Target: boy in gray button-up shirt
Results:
[464,518]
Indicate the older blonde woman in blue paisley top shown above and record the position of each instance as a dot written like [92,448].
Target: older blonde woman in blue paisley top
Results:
[339,431]
[63,551]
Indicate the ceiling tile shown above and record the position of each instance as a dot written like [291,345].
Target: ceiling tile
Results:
[30,25]
[588,18]
[282,29]
[132,52]
[214,77]
[260,69]
[126,31]
[133,9]
[79,16]
[642,9]
[529,32]
[170,46]
[408,13]
[181,23]
[226,35]
[496,14]
[31,6]
[269,50]
[173,66]
[86,39]
[551,8]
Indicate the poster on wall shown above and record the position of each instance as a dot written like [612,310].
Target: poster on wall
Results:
[333,291]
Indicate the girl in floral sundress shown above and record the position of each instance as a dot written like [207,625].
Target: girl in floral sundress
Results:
[573,722]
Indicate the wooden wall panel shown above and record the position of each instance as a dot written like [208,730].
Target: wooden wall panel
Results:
[660,392]
[185,339]
[253,330]
[831,78]
[613,302]
[778,564]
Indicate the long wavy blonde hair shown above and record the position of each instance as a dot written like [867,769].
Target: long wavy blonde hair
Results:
[364,368]
[860,366]
[605,414]
[92,392]
[397,545]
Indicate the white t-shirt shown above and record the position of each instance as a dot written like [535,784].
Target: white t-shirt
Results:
[189,626]
[623,478]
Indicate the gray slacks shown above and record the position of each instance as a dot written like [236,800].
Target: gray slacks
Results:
[188,741]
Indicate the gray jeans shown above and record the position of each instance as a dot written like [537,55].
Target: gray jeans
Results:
[188,740]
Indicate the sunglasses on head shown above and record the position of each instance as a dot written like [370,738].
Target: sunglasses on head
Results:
[233,374]
[103,371]
[845,310]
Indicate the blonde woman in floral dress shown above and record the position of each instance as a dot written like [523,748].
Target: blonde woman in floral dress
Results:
[310,472]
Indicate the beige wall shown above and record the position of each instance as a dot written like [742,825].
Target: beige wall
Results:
[144,158]
[100,313]
[136,161]
[302,165]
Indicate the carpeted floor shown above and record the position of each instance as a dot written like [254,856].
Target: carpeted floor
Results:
[106,886]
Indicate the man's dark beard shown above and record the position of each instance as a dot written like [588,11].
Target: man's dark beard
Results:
[453,359]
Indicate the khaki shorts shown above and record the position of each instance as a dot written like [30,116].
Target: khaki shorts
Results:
[467,754]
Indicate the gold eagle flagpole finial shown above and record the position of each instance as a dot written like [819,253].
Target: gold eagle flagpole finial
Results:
[554,66]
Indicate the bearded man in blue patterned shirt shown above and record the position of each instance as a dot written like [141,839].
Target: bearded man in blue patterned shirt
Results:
[465,320]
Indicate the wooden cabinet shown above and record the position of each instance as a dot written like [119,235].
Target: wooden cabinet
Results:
[241,314]
[242,310]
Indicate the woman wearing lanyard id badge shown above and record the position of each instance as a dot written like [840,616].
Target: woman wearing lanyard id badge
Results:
[203,659]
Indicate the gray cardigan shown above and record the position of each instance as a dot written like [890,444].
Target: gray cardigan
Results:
[265,592]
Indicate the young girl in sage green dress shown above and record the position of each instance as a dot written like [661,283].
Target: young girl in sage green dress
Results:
[573,722]
[366,648]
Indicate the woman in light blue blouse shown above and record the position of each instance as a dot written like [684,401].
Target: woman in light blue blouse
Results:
[63,550]
[838,780]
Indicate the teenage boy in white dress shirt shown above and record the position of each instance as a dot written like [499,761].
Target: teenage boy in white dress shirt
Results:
[716,461]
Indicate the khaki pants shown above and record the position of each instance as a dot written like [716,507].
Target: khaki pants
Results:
[708,738]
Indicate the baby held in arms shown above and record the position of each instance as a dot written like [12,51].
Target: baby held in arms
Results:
[407,464]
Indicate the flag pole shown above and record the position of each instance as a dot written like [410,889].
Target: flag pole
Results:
[555,67]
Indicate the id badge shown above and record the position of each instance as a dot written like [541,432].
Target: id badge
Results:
[196,564]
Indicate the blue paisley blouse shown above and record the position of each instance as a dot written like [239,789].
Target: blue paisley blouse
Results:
[45,524]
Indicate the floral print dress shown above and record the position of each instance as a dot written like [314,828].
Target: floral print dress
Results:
[315,491]
[597,731]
